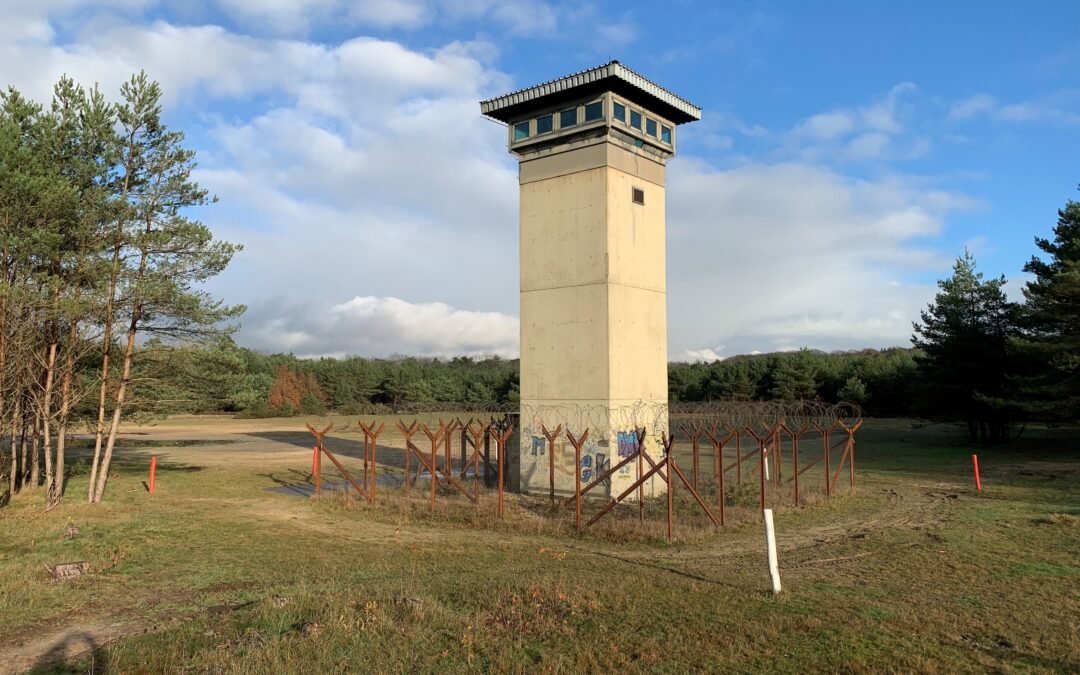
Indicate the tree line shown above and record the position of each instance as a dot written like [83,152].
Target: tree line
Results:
[222,377]
[97,251]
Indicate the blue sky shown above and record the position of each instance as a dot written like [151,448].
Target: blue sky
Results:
[847,153]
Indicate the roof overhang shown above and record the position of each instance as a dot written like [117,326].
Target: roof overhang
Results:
[612,76]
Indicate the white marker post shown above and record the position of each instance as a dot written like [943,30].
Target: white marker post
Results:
[767,469]
[770,544]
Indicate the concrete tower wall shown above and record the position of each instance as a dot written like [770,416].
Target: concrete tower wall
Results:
[593,304]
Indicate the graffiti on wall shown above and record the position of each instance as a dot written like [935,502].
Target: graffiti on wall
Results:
[594,463]
[586,468]
[603,464]
[596,459]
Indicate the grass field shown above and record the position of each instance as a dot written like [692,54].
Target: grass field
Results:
[914,572]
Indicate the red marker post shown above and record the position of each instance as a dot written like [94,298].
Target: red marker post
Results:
[314,459]
[975,463]
[153,472]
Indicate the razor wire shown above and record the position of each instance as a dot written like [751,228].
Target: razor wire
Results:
[667,418]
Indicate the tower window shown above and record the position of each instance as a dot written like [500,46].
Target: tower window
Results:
[521,131]
[568,118]
[619,112]
[665,134]
[594,111]
[650,127]
[638,196]
[635,119]
[544,124]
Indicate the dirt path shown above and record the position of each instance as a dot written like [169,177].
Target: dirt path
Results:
[911,507]
[73,641]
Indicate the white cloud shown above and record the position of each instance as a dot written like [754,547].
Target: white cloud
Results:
[187,60]
[789,255]
[872,132]
[701,356]
[1060,107]
[879,116]
[516,17]
[385,326]
[390,13]
[719,129]
[884,115]
[971,106]
[526,18]
[868,145]
[282,16]
[1037,111]
[617,34]
[827,125]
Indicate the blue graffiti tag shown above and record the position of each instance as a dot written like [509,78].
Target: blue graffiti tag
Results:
[586,468]
[628,443]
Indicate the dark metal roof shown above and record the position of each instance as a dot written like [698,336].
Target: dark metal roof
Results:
[612,76]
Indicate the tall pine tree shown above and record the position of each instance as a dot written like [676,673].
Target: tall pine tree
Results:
[964,336]
[1049,388]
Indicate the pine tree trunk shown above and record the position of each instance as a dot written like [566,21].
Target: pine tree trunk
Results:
[14,480]
[3,379]
[14,470]
[46,422]
[99,430]
[106,338]
[118,406]
[65,409]
[18,430]
[35,460]
[106,348]
[125,379]
[57,489]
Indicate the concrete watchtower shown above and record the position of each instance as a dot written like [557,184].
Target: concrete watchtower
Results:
[592,149]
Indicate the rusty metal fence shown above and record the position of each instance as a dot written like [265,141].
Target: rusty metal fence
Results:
[717,453]
[486,457]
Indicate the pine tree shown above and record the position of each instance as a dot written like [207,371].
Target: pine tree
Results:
[1049,386]
[85,159]
[854,391]
[965,362]
[171,251]
[794,377]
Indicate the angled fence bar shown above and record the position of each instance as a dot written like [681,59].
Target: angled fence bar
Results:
[371,440]
[501,447]
[319,435]
[551,436]
[577,443]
